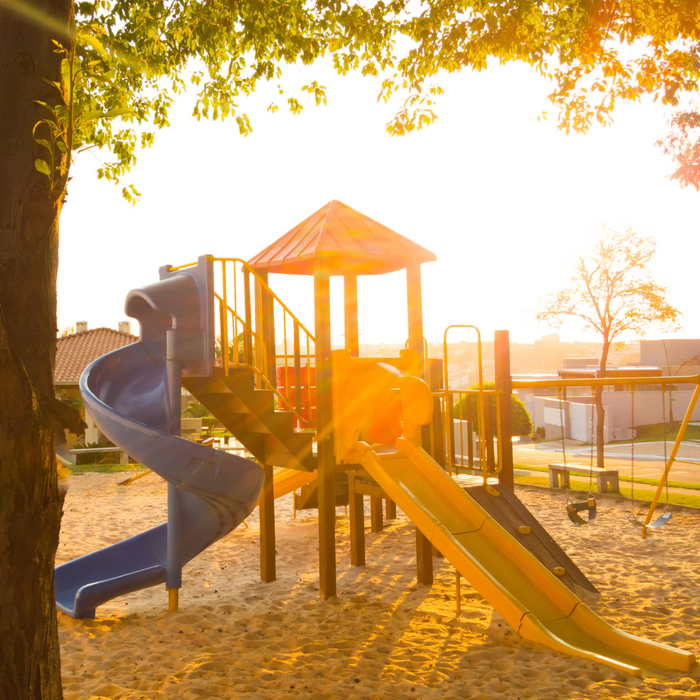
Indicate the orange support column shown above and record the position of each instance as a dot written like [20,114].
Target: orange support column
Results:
[352,336]
[357,523]
[326,456]
[424,550]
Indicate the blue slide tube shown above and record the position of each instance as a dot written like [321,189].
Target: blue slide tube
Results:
[126,392]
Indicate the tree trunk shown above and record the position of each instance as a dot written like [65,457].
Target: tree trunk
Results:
[30,499]
[600,411]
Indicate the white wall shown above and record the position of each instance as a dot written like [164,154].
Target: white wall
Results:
[647,408]
[576,417]
[618,414]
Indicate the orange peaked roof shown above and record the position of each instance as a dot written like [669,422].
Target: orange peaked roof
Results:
[340,241]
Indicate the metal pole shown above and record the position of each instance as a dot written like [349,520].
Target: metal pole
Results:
[674,451]
[173,574]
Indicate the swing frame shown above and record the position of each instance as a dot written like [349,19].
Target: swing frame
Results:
[665,516]
[622,381]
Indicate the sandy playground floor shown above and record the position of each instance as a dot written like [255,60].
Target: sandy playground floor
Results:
[384,636]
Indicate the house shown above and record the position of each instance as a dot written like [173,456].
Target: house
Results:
[74,353]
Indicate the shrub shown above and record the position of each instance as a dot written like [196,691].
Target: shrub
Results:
[521,424]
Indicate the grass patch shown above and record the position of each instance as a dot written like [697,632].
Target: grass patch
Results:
[581,489]
[104,468]
[655,433]
[628,479]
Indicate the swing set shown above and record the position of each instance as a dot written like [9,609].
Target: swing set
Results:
[588,507]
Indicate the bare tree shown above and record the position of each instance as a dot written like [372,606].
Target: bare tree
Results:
[612,292]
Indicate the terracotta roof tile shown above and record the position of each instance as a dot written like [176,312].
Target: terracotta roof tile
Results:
[76,351]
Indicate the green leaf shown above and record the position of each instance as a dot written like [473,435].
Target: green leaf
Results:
[43,167]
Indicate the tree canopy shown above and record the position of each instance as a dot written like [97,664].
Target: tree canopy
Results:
[125,62]
[683,144]
[612,290]
[597,52]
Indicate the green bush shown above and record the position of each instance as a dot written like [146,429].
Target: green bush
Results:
[195,410]
[521,424]
[209,422]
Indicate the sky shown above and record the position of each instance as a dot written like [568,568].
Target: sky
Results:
[504,200]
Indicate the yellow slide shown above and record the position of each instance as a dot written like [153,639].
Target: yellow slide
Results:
[287,480]
[530,598]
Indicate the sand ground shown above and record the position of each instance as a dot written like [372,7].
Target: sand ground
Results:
[383,636]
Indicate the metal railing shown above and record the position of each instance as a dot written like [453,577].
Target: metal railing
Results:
[464,397]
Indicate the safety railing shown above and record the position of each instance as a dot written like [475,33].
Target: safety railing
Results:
[486,465]
[252,323]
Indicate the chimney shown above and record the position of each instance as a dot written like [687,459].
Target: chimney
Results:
[125,327]
[81,326]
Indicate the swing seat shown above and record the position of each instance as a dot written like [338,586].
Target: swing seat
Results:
[659,522]
[573,510]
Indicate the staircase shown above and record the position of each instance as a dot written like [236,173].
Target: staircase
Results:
[249,414]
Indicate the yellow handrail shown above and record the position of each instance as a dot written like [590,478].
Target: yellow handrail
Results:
[480,400]
[264,285]
[279,395]
[253,333]
[247,324]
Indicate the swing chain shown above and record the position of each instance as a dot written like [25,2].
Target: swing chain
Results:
[663,411]
[590,467]
[561,425]
[632,445]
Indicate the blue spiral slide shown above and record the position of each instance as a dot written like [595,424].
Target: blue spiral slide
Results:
[133,395]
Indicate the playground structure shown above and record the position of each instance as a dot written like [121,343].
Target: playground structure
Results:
[377,425]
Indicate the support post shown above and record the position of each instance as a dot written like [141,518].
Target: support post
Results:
[352,336]
[424,559]
[490,464]
[173,572]
[268,564]
[437,433]
[357,523]
[266,315]
[503,384]
[390,509]
[375,514]
[326,456]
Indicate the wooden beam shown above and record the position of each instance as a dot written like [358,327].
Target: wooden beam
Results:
[268,566]
[501,349]
[390,509]
[490,464]
[424,559]
[369,490]
[375,514]
[357,523]
[437,437]
[424,551]
[352,336]
[326,457]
